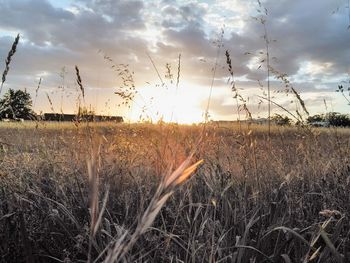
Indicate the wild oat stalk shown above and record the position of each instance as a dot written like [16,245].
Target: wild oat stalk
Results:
[301,101]
[8,61]
[297,118]
[36,91]
[79,81]
[289,87]
[262,19]
[95,212]
[233,86]
[219,44]
[50,102]
[62,76]
[165,189]
[263,22]
[169,75]
[155,68]
[93,192]
[178,72]
[127,90]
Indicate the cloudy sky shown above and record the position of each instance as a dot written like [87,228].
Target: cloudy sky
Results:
[140,42]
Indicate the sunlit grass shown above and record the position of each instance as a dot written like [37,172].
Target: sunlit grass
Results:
[249,200]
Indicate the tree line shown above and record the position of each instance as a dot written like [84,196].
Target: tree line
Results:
[334,119]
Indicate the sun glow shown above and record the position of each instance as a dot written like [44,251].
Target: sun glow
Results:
[169,105]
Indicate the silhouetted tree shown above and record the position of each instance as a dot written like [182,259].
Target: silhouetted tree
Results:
[338,120]
[16,104]
[281,120]
[315,118]
[335,119]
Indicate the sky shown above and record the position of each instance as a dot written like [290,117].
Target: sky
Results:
[121,44]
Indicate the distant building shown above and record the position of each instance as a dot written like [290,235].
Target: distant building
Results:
[74,117]
[58,117]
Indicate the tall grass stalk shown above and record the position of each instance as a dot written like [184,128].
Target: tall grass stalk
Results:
[233,87]
[219,46]
[263,22]
[8,61]
[36,91]
[79,82]
[155,68]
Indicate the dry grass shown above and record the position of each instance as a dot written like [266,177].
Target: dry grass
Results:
[249,201]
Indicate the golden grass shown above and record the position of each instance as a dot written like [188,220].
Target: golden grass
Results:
[251,199]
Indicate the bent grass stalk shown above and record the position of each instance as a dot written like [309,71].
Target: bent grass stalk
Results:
[165,189]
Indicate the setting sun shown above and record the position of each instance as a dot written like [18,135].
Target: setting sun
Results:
[169,104]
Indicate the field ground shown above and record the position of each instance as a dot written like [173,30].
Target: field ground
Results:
[254,199]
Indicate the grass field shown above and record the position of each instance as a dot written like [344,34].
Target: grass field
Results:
[253,199]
